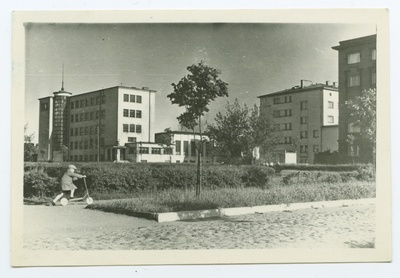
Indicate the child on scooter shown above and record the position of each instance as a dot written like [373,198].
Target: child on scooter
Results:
[67,186]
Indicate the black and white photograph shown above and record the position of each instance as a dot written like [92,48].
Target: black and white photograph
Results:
[200,137]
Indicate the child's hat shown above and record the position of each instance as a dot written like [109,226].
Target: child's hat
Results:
[72,167]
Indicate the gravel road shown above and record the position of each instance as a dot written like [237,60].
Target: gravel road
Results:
[75,228]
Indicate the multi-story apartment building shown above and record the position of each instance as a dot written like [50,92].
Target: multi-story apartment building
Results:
[357,72]
[87,127]
[306,117]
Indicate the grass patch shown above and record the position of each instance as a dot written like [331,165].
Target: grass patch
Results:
[181,200]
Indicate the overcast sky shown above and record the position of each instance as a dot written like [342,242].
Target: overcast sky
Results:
[255,59]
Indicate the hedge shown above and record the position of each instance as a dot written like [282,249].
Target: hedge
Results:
[126,178]
[325,168]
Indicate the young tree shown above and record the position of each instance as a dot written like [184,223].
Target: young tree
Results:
[195,91]
[240,131]
[362,114]
[30,150]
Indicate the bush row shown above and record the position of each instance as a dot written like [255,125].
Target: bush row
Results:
[326,168]
[43,179]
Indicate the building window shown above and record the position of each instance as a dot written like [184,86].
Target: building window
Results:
[102,129]
[97,115]
[353,81]
[303,148]
[288,126]
[86,144]
[71,145]
[87,102]
[353,58]
[81,145]
[303,120]
[72,118]
[77,104]
[103,99]
[373,77]
[126,113]
[72,105]
[86,130]
[81,117]
[303,105]
[91,157]
[303,160]
[80,157]
[132,98]
[92,115]
[131,150]
[92,129]
[138,129]
[81,131]
[86,116]
[316,133]
[288,112]
[331,119]
[97,100]
[44,106]
[330,105]
[316,148]
[76,118]
[132,113]
[288,140]
[125,127]
[276,100]
[373,54]
[131,128]
[76,145]
[144,150]
[186,147]
[288,99]
[71,132]
[139,99]
[168,151]
[303,134]
[193,147]
[138,113]
[126,98]
[92,101]
[178,147]
[76,131]
[82,103]
[155,150]
[131,139]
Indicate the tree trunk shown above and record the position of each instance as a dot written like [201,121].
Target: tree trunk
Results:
[199,152]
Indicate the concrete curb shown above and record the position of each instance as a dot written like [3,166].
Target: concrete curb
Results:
[200,214]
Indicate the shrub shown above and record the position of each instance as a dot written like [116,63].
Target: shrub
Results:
[258,176]
[38,183]
[366,173]
[323,168]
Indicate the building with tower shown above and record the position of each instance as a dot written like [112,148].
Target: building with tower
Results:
[88,126]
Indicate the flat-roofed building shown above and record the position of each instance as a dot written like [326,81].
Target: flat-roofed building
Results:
[306,117]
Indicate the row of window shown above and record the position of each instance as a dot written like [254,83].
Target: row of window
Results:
[304,148]
[354,80]
[286,99]
[87,102]
[86,130]
[85,157]
[91,143]
[132,98]
[132,128]
[304,134]
[132,113]
[88,116]
[146,150]
[355,58]
[282,113]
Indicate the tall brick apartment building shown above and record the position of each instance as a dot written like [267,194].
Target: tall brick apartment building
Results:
[91,124]
[357,72]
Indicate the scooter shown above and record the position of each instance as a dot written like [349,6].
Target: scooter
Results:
[89,200]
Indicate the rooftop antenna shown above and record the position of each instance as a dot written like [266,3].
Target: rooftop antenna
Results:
[62,83]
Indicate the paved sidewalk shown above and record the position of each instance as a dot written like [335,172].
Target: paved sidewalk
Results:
[76,228]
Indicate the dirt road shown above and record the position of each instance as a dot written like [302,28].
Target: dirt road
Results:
[76,228]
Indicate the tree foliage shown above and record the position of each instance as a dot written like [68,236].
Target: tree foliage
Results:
[240,130]
[195,92]
[362,113]
[30,150]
